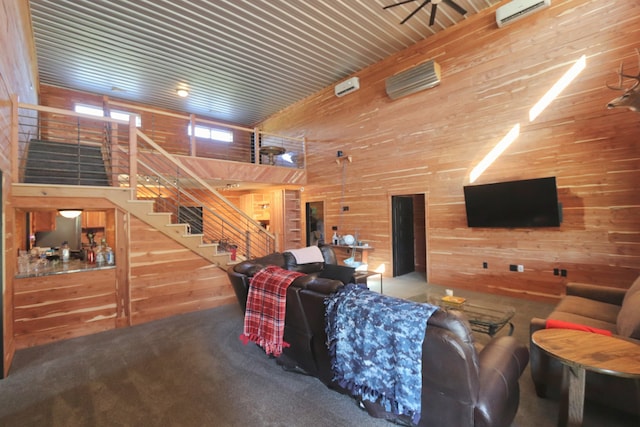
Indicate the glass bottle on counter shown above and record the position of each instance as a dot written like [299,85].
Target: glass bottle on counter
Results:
[109,256]
[65,251]
[100,258]
[91,254]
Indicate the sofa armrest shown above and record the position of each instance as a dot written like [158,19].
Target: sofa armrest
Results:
[501,364]
[605,294]
[318,284]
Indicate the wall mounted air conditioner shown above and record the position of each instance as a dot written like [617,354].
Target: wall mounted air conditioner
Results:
[347,86]
[518,9]
[420,77]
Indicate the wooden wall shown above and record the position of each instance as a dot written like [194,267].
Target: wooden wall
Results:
[429,142]
[56,307]
[18,78]
[167,279]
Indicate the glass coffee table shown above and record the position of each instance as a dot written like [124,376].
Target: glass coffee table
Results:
[483,317]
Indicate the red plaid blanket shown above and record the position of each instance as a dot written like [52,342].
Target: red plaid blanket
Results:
[265,311]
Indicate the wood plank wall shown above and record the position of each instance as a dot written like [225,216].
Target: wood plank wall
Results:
[18,77]
[429,142]
[167,279]
[56,307]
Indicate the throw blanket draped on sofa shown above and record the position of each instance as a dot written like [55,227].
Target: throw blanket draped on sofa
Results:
[265,311]
[375,343]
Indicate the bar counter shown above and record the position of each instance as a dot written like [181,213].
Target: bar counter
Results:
[59,267]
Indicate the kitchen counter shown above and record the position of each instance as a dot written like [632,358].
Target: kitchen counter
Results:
[58,267]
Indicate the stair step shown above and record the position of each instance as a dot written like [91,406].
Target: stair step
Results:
[51,162]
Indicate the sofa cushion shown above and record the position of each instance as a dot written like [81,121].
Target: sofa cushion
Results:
[600,311]
[629,315]
[634,289]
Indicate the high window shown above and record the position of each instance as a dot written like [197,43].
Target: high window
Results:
[92,110]
[215,134]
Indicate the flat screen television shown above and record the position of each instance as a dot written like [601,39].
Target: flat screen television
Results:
[513,204]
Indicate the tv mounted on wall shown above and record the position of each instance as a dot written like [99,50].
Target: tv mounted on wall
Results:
[513,204]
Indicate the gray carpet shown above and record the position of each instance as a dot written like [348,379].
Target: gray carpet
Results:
[192,370]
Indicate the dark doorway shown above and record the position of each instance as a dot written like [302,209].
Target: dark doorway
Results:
[403,250]
[408,233]
[191,215]
[315,223]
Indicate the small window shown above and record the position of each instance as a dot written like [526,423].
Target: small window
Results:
[89,110]
[215,134]
[98,112]
[121,115]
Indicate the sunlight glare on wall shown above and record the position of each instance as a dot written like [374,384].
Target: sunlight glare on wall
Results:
[495,152]
[555,90]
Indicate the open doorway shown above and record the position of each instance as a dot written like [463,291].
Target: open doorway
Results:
[314,212]
[408,216]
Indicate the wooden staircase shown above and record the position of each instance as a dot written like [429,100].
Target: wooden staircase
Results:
[62,163]
[143,210]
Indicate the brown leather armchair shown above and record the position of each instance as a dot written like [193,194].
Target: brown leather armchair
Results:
[461,386]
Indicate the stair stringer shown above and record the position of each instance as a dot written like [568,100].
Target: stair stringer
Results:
[161,221]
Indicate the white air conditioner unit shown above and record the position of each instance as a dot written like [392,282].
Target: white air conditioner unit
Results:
[518,9]
[347,86]
[420,77]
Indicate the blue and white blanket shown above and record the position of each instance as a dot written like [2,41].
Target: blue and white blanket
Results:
[375,342]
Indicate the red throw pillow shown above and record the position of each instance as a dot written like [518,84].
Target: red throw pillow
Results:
[560,324]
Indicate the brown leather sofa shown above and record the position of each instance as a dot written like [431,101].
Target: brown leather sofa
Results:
[611,309]
[461,386]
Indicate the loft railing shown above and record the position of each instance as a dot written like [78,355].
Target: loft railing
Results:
[124,156]
[191,200]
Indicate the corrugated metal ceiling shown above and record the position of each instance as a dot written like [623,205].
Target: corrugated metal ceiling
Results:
[241,60]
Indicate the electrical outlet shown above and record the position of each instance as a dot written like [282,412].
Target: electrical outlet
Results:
[520,268]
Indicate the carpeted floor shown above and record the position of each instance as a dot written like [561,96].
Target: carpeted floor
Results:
[192,370]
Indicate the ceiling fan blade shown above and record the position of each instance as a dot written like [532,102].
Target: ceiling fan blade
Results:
[415,11]
[432,18]
[398,4]
[455,6]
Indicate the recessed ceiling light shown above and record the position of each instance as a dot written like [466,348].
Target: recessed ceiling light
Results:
[183,93]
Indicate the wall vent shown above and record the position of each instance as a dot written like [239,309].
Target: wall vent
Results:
[420,77]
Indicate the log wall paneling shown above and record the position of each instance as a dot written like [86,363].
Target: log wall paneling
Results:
[18,79]
[429,142]
[62,306]
[167,279]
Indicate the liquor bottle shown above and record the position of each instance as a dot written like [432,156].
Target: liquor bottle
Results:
[65,252]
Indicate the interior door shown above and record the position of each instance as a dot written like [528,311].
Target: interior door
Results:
[315,223]
[403,236]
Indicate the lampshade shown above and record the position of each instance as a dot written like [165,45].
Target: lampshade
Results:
[70,213]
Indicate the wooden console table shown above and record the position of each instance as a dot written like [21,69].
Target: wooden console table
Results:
[364,251]
[580,351]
